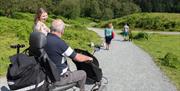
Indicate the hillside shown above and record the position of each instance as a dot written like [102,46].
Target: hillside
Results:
[150,21]
[17,29]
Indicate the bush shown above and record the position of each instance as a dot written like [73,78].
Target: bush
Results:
[69,9]
[170,60]
[142,35]
[1,13]
[23,16]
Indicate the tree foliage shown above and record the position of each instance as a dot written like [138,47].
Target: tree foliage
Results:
[98,9]
[69,9]
[159,5]
[9,7]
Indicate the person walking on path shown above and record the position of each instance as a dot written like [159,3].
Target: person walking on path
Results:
[126,32]
[108,35]
[39,21]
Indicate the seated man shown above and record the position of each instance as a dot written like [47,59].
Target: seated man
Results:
[57,50]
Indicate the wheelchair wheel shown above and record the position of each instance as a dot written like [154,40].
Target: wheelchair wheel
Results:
[102,88]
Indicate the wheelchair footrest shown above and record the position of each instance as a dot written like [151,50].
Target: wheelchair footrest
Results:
[57,87]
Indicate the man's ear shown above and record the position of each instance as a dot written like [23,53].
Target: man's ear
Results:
[62,32]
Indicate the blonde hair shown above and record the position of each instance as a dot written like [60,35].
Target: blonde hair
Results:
[109,25]
[38,14]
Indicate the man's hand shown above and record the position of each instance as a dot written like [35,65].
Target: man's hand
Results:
[90,60]
[83,58]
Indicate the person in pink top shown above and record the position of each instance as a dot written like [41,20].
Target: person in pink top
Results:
[39,21]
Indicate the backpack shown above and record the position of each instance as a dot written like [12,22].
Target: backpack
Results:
[113,34]
[25,73]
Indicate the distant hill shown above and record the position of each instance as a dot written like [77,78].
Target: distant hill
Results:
[150,21]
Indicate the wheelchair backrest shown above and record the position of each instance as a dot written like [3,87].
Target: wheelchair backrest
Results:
[37,42]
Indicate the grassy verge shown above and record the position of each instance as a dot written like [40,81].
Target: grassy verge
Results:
[17,29]
[158,46]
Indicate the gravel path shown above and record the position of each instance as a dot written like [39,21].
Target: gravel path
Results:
[129,68]
[3,84]
[158,32]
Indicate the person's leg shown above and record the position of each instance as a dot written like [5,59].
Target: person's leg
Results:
[126,35]
[106,42]
[107,47]
[110,39]
[75,76]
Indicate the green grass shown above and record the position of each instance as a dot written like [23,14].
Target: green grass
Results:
[158,46]
[152,21]
[21,28]
[81,38]
[16,30]
[6,39]
[78,22]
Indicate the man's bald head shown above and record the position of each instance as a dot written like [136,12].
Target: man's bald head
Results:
[57,26]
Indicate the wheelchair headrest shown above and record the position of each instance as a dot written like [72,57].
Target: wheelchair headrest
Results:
[37,40]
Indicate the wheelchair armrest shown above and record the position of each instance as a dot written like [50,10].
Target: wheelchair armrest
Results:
[57,87]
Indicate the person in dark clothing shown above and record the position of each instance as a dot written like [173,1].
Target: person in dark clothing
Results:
[58,50]
[108,35]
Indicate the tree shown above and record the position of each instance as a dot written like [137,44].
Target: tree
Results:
[117,9]
[85,6]
[69,9]
[124,8]
[158,5]
[8,7]
[95,11]
[177,7]
[89,8]
[108,14]
[32,5]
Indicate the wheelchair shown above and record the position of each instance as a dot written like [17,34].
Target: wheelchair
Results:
[37,42]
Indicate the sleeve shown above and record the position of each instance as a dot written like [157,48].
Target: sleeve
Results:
[66,50]
[104,32]
[46,28]
[37,27]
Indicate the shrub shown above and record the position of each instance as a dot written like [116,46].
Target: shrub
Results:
[170,60]
[1,13]
[69,9]
[142,35]
[23,16]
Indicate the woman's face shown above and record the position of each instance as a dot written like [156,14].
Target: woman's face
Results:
[43,17]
